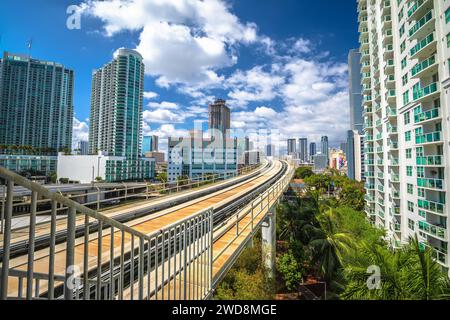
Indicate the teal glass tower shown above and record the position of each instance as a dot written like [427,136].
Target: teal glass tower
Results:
[36,104]
[116,106]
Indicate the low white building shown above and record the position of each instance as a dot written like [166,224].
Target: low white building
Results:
[196,157]
[88,168]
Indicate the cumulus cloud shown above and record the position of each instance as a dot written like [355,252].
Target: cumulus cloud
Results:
[198,35]
[80,131]
[150,95]
[163,105]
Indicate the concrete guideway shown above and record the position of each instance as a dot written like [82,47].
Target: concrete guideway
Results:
[145,250]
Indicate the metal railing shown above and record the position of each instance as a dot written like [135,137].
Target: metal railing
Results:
[109,261]
[249,219]
[99,198]
[102,258]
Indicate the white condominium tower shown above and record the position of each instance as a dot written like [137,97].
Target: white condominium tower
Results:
[406,86]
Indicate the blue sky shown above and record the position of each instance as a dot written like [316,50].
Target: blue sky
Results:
[280,64]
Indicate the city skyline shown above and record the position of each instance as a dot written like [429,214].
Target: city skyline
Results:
[258,82]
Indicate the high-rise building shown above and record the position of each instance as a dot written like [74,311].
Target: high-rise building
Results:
[355,90]
[149,144]
[36,104]
[356,116]
[320,163]
[354,155]
[292,147]
[324,146]
[116,106]
[83,147]
[303,149]
[406,86]
[219,117]
[270,150]
[312,150]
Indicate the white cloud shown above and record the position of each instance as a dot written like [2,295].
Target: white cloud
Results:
[162,116]
[80,131]
[198,35]
[163,105]
[253,85]
[150,95]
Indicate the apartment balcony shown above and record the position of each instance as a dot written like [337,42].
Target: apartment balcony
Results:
[429,138]
[433,184]
[365,66]
[380,162]
[425,25]
[388,52]
[369,211]
[389,67]
[387,22]
[428,116]
[392,130]
[366,78]
[391,112]
[439,254]
[368,125]
[390,96]
[364,44]
[367,88]
[378,123]
[380,188]
[432,207]
[369,174]
[424,48]
[394,162]
[425,68]
[395,178]
[370,186]
[389,82]
[438,232]
[367,110]
[368,150]
[418,9]
[369,198]
[396,196]
[430,161]
[380,202]
[396,227]
[393,145]
[368,138]
[387,37]
[379,137]
[379,149]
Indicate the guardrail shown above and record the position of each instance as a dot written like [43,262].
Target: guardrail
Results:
[123,271]
[110,260]
[109,197]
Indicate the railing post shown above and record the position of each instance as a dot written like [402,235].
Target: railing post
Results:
[7,240]
[2,218]
[70,254]
[31,237]
[211,242]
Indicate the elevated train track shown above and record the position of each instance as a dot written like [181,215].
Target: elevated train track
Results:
[149,251]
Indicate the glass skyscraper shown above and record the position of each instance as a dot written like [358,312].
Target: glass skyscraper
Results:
[36,104]
[116,106]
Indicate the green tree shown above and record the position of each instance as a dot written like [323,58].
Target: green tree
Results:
[162,177]
[330,245]
[289,269]
[303,172]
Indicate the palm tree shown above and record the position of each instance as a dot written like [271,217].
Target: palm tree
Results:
[423,275]
[330,244]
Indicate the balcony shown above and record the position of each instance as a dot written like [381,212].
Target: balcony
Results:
[424,48]
[419,8]
[369,186]
[430,161]
[435,184]
[390,96]
[395,178]
[369,198]
[393,145]
[425,68]
[438,232]
[391,112]
[433,114]
[439,254]
[429,138]
[432,206]
[396,195]
[422,27]
[394,162]
[429,93]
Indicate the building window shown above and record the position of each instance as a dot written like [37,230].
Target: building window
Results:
[409,171]
[448,40]
[408,136]
[410,188]
[406,97]
[411,224]
[408,153]
[407,118]
[410,206]
[447,15]
[421,192]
